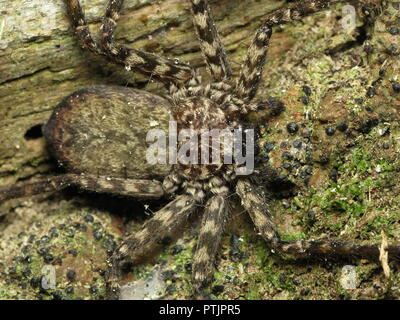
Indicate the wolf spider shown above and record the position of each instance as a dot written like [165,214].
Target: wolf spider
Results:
[223,103]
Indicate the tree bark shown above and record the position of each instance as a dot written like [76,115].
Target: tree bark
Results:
[41,61]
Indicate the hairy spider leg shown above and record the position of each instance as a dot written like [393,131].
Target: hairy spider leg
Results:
[254,201]
[145,189]
[211,230]
[253,65]
[163,69]
[164,223]
[210,42]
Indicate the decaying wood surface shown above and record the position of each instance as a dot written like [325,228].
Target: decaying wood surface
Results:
[41,61]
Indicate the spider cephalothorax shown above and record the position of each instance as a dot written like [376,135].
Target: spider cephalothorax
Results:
[205,107]
[195,105]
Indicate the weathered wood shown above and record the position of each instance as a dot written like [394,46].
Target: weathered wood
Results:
[41,62]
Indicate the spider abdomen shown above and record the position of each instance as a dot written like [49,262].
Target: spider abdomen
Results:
[101,130]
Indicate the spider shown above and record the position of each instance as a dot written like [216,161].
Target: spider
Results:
[223,103]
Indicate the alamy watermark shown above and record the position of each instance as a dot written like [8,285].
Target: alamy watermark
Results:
[204,146]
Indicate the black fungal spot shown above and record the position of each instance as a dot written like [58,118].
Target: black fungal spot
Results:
[170,289]
[218,289]
[371,92]
[342,126]
[93,290]
[307,90]
[305,100]
[311,215]
[48,258]
[71,275]
[168,275]
[330,131]
[333,175]
[176,249]
[367,125]
[268,146]
[297,144]
[88,218]
[292,127]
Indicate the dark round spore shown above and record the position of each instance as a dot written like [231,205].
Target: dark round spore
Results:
[88,218]
[43,251]
[71,275]
[307,90]
[269,146]
[371,92]
[97,235]
[57,295]
[235,240]
[292,127]
[73,252]
[311,215]
[333,175]
[305,100]
[367,125]
[170,289]
[287,166]
[368,109]
[286,155]
[396,87]
[218,289]
[77,225]
[176,249]
[44,239]
[330,131]
[297,144]
[342,126]
[394,31]
[168,275]
[48,258]
[35,282]
[54,234]
[93,290]
[188,267]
